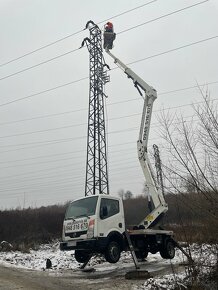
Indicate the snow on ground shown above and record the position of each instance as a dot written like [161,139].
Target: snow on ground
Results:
[36,260]
[204,257]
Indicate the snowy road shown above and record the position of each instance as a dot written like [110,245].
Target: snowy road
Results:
[111,277]
[26,271]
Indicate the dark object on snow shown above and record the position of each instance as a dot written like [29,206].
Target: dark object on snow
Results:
[48,264]
[5,246]
[137,275]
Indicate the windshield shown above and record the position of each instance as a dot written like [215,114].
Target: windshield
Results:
[82,207]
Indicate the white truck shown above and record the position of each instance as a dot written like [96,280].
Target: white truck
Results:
[96,224]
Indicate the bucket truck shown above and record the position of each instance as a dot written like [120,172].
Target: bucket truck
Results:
[96,224]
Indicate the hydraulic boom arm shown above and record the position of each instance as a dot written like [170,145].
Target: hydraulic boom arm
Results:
[150,94]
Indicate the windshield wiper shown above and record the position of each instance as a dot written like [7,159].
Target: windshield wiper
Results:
[83,215]
[70,218]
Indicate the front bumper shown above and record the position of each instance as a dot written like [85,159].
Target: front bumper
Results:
[93,245]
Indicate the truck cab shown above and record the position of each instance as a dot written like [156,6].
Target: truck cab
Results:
[94,224]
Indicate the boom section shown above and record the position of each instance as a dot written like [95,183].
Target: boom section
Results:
[155,192]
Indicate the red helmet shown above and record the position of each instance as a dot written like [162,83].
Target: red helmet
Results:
[109,24]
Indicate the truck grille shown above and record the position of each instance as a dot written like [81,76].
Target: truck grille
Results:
[75,234]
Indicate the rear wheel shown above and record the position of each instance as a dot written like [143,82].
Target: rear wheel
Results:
[112,253]
[167,251]
[82,256]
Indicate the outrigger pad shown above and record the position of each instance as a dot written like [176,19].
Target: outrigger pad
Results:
[108,39]
[88,270]
[138,274]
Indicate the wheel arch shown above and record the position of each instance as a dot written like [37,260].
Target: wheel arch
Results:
[117,237]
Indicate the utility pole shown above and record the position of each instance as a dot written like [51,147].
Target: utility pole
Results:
[96,164]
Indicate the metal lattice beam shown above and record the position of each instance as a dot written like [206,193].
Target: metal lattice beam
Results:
[96,166]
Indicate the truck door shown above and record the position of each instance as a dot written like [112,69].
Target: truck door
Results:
[111,217]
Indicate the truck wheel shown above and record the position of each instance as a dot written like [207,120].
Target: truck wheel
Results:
[81,256]
[141,254]
[168,250]
[112,253]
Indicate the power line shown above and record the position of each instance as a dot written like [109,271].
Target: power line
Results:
[42,92]
[57,184]
[163,16]
[77,176]
[130,10]
[58,141]
[111,104]
[72,34]
[174,49]
[43,170]
[44,130]
[67,190]
[71,177]
[74,177]
[71,51]
[130,63]
[44,116]
[60,167]
[40,48]
[66,127]
[82,124]
[188,88]
[60,154]
[65,153]
[39,64]
[48,142]
[51,161]
[26,174]
[42,145]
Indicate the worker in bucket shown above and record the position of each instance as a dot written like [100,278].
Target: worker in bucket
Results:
[109,35]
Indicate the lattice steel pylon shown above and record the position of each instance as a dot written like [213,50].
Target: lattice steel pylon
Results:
[96,164]
[158,166]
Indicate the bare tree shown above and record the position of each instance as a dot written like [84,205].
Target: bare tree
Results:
[192,149]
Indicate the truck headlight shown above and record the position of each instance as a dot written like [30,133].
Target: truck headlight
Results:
[90,231]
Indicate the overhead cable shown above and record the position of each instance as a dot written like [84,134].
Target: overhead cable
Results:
[71,51]
[174,49]
[69,126]
[114,103]
[70,35]
[43,92]
[39,64]
[130,63]
[57,141]
[163,16]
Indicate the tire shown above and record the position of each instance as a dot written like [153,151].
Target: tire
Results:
[141,255]
[112,253]
[82,256]
[168,250]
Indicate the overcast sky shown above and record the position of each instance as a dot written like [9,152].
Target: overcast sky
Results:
[48,167]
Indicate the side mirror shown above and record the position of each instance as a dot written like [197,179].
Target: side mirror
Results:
[104,212]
